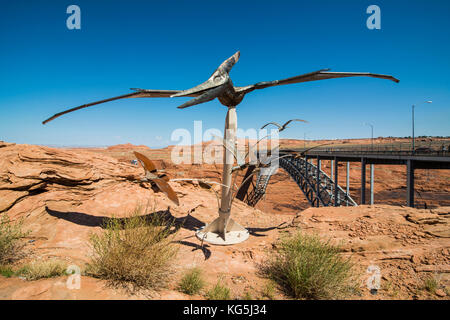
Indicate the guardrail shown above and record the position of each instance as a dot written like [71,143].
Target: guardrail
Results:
[435,149]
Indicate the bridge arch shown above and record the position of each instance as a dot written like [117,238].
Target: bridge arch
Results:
[316,185]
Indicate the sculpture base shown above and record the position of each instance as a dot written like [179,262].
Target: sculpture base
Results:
[211,233]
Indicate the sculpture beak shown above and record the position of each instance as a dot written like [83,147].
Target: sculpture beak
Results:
[218,78]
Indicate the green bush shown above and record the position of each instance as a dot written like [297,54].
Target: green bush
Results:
[11,244]
[218,292]
[6,271]
[307,268]
[135,253]
[192,282]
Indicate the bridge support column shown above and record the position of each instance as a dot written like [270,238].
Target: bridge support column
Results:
[336,200]
[306,167]
[318,181]
[410,183]
[331,176]
[371,184]
[347,180]
[363,180]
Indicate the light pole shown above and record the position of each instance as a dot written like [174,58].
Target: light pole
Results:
[413,143]
[371,165]
[304,138]
[371,139]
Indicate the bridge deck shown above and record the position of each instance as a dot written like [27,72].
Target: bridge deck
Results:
[429,160]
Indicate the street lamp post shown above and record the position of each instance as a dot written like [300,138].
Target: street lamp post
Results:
[304,138]
[413,141]
[371,139]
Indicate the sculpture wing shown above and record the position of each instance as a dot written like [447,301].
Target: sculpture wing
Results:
[167,190]
[274,123]
[312,76]
[140,93]
[148,164]
[299,120]
[161,181]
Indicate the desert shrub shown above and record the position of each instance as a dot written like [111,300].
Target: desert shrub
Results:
[192,282]
[431,284]
[247,296]
[135,252]
[11,243]
[42,269]
[6,271]
[268,291]
[306,267]
[218,292]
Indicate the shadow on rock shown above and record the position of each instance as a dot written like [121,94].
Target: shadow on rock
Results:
[164,217]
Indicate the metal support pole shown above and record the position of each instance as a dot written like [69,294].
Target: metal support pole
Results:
[224,230]
[306,167]
[371,139]
[336,182]
[413,147]
[347,180]
[363,180]
[410,183]
[331,176]
[318,181]
[371,184]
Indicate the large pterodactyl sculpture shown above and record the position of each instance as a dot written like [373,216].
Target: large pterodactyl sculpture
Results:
[220,86]
[224,230]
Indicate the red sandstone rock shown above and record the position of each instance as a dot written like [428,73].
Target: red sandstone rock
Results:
[64,195]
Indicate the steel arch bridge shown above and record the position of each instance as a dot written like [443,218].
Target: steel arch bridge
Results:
[316,185]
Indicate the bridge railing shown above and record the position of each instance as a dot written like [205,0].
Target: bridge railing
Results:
[432,148]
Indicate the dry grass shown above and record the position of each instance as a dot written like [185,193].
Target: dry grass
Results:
[192,282]
[307,268]
[431,284]
[6,271]
[135,253]
[42,269]
[268,291]
[247,296]
[11,240]
[218,292]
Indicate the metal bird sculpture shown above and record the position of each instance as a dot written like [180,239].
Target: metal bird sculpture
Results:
[160,180]
[220,86]
[284,126]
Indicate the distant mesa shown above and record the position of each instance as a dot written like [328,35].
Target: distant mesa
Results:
[126,146]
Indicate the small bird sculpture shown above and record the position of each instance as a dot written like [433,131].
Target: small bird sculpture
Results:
[284,126]
[160,180]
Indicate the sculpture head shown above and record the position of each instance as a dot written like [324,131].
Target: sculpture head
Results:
[218,78]
[229,63]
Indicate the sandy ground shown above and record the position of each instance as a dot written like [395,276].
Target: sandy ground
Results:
[64,195]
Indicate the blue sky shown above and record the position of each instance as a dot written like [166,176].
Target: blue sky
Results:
[46,68]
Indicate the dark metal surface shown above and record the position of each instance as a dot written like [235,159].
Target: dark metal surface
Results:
[428,158]
[317,186]
[410,183]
